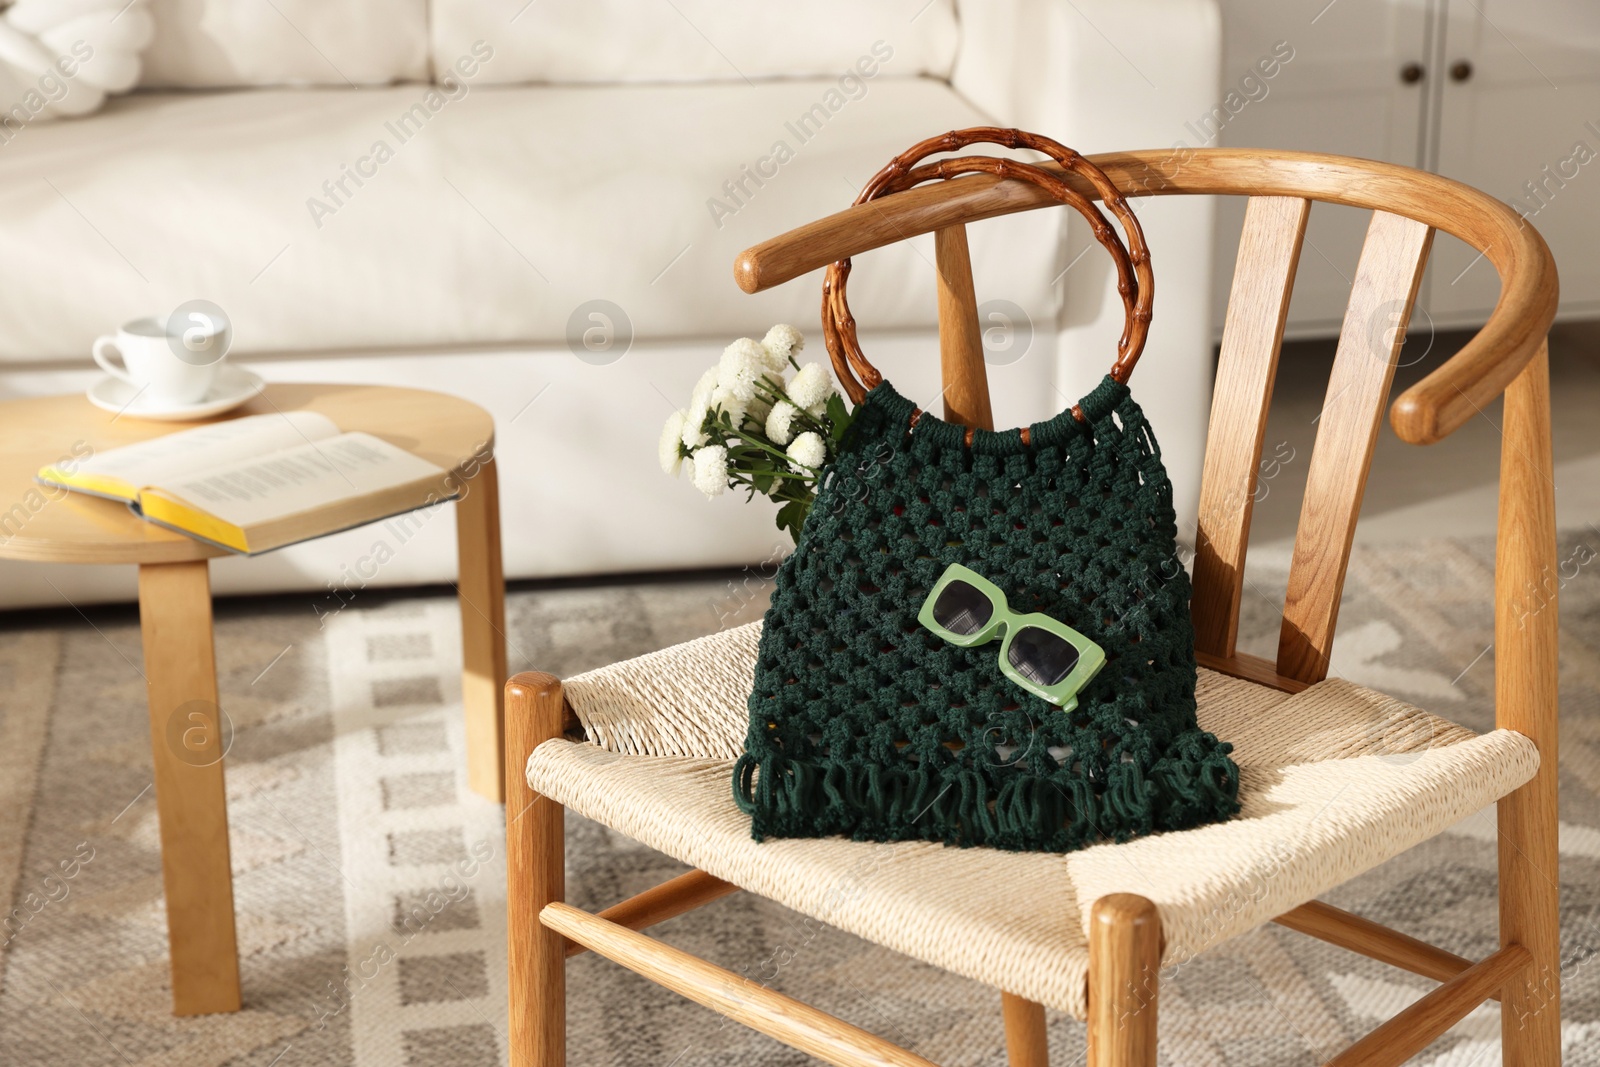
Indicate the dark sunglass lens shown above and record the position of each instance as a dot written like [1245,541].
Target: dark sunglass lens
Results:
[961,609]
[1041,656]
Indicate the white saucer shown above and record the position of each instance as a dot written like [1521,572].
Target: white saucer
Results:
[234,385]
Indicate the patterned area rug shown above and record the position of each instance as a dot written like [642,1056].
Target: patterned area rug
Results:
[370,882]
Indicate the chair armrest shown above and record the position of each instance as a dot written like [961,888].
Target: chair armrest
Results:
[1093,74]
[1486,365]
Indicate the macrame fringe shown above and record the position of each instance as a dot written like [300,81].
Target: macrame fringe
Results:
[959,806]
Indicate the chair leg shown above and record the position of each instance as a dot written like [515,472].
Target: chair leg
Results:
[1124,972]
[1530,1005]
[1027,1044]
[535,876]
[1525,701]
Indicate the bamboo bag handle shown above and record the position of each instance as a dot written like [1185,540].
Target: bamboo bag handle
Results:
[1135,282]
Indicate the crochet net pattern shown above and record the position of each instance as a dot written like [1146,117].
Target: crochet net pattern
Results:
[864,723]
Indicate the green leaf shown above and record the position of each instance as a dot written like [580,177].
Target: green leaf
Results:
[792,516]
[839,416]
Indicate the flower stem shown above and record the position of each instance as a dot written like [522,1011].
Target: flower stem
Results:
[804,495]
[756,442]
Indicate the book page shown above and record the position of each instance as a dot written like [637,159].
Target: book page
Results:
[301,479]
[187,453]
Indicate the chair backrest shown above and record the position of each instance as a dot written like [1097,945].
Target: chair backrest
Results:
[1408,206]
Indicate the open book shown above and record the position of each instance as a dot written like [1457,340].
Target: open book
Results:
[260,482]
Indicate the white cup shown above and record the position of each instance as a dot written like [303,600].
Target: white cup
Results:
[167,370]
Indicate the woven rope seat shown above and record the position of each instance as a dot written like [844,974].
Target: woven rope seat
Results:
[1334,780]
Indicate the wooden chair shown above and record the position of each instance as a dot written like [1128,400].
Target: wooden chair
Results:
[1125,933]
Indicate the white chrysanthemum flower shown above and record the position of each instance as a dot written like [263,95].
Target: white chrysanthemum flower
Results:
[711,470]
[742,363]
[670,450]
[811,387]
[725,399]
[759,409]
[694,421]
[808,450]
[780,422]
[702,388]
[781,342]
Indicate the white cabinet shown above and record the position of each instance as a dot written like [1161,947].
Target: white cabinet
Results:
[1520,118]
[1501,94]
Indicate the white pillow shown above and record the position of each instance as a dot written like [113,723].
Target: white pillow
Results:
[207,44]
[574,41]
[61,57]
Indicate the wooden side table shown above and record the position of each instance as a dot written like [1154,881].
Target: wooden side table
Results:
[175,623]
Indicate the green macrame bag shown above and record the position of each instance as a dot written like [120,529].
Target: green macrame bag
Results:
[864,723]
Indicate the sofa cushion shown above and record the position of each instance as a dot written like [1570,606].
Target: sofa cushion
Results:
[208,44]
[408,216]
[575,41]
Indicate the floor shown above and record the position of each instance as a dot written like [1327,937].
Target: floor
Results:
[369,882]
[1447,489]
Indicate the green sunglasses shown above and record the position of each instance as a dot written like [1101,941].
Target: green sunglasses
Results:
[1046,657]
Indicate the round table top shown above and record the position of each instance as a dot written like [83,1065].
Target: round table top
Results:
[51,525]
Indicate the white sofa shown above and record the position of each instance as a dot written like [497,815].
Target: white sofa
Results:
[599,150]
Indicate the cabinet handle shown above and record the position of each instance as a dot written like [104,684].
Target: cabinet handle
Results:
[1461,70]
[1412,73]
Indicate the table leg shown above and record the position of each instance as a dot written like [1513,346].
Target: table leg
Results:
[187,739]
[482,588]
